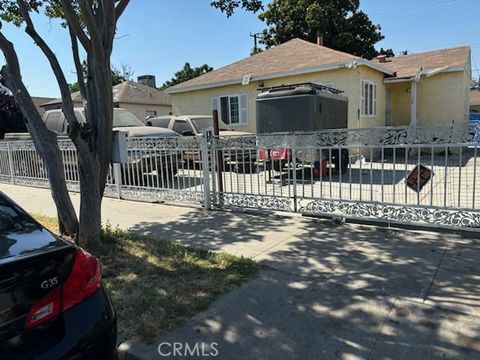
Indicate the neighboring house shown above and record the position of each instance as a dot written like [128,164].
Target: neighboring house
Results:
[474,101]
[38,101]
[139,99]
[423,88]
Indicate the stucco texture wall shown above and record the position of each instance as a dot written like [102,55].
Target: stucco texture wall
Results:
[140,111]
[401,104]
[348,80]
[443,98]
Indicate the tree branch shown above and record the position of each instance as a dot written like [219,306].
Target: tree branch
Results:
[67,103]
[120,8]
[90,23]
[77,62]
[72,19]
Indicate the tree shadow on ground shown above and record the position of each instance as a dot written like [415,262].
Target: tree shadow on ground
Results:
[338,291]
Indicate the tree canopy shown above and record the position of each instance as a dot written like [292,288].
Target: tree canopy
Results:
[11,118]
[343,26]
[186,73]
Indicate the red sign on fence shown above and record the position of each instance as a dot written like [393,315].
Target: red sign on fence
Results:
[419,177]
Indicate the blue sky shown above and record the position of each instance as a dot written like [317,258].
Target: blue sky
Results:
[158,36]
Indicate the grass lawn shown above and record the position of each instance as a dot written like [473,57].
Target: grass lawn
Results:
[156,285]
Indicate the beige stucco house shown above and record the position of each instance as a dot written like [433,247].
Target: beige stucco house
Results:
[475,101]
[424,88]
[140,99]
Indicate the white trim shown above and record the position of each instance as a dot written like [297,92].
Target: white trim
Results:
[219,109]
[366,97]
[413,104]
[314,69]
[375,66]
[435,71]
[428,73]
[397,80]
[203,86]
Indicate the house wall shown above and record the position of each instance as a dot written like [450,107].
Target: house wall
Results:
[443,98]
[401,98]
[348,80]
[140,110]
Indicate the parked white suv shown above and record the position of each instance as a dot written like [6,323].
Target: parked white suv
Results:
[191,125]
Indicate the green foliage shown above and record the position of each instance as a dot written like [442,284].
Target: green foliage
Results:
[343,26]
[185,74]
[388,52]
[11,118]
[125,73]
[229,6]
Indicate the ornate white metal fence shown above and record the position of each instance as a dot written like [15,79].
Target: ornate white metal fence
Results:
[422,175]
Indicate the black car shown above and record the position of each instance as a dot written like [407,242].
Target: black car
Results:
[52,301]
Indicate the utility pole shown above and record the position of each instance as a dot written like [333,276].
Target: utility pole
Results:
[255,36]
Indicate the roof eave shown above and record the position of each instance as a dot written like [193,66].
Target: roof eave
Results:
[429,73]
[327,67]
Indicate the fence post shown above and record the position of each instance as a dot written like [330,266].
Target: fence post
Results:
[117,175]
[206,169]
[10,164]
[294,174]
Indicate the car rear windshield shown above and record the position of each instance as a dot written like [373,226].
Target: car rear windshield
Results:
[160,122]
[12,220]
[207,122]
[124,119]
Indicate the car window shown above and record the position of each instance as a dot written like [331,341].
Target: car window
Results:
[11,219]
[182,126]
[160,122]
[207,123]
[124,119]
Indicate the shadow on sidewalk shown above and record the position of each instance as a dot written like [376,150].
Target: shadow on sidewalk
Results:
[337,291]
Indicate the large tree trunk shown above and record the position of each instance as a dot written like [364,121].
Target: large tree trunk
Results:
[90,229]
[44,140]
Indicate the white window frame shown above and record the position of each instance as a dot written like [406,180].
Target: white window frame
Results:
[242,110]
[367,97]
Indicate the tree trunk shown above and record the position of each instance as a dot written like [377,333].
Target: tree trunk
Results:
[45,141]
[89,232]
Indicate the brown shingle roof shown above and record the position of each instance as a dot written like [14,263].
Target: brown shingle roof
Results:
[294,55]
[408,65]
[131,93]
[474,97]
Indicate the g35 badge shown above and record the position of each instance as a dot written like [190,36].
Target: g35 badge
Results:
[49,283]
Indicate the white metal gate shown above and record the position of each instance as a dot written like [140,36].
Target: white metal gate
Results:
[229,172]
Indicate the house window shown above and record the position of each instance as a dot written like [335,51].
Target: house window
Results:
[369,98]
[232,109]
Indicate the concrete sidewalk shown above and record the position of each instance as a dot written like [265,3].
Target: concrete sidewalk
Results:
[331,292]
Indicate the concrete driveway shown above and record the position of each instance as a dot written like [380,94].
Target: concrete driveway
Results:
[331,291]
